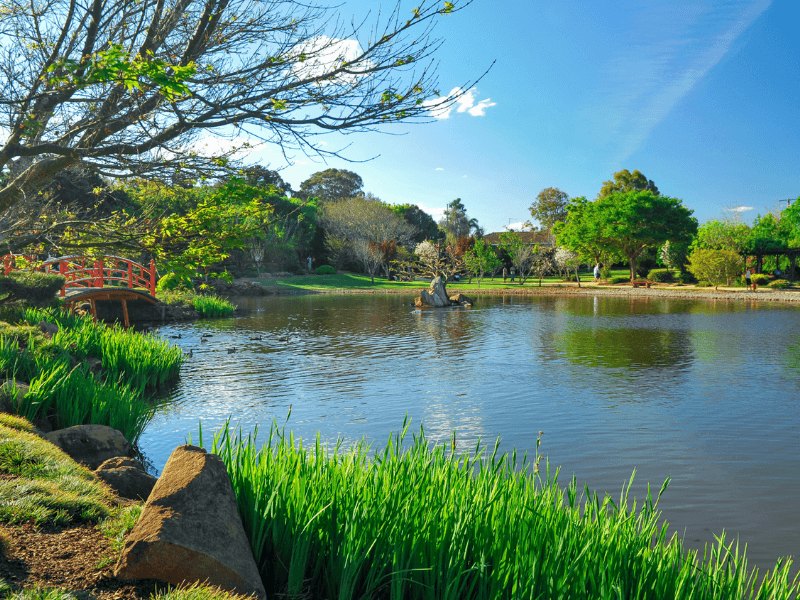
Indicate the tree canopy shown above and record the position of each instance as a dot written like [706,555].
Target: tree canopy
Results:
[128,87]
[332,184]
[625,181]
[549,207]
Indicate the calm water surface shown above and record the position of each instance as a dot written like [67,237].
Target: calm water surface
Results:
[706,393]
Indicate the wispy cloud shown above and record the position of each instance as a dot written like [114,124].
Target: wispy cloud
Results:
[441,108]
[439,169]
[645,80]
[740,209]
[518,226]
[436,213]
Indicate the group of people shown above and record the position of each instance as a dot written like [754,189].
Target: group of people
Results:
[505,274]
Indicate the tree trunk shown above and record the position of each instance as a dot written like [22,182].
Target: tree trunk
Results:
[633,267]
[577,276]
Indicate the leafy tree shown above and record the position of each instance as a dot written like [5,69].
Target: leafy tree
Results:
[520,253]
[365,219]
[625,181]
[481,259]
[718,267]
[126,87]
[456,224]
[426,227]
[264,178]
[581,233]
[332,184]
[630,222]
[722,235]
[674,255]
[791,217]
[549,207]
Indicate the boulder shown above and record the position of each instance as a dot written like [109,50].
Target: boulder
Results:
[428,299]
[438,289]
[461,299]
[90,444]
[190,530]
[418,302]
[127,477]
[7,398]
[49,329]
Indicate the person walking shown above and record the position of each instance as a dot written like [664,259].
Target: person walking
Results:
[505,274]
[747,279]
[596,272]
[512,274]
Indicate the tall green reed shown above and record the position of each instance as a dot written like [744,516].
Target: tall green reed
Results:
[211,305]
[423,521]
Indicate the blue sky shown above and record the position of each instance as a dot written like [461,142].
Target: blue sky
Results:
[702,96]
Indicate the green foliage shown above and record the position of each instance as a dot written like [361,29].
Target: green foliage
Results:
[420,520]
[210,306]
[174,281]
[625,181]
[619,279]
[15,422]
[661,275]
[131,362]
[549,207]
[722,235]
[780,284]
[48,486]
[703,284]
[481,259]
[332,184]
[30,286]
[759,278]
[718,267]
[581,233]
[325,270]
[117,525]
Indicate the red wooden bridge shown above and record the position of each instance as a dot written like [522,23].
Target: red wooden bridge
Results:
[92,279]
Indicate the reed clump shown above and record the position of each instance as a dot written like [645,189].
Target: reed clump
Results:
[64,388]
[417,520]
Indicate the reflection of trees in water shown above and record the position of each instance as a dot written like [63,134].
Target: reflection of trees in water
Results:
[790,357]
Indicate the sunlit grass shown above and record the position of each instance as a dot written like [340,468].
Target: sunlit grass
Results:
[416,520]
[211,306]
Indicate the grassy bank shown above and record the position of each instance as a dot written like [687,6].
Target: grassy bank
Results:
[85,373]
[208,305]
[415,521]
[41,485]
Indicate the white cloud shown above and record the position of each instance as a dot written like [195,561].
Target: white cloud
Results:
[518,226]
[439,169]
[741,209]
[464,176]
[440,108]
[324,54]
[436,213]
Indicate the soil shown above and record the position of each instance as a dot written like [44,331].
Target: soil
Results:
[66,558]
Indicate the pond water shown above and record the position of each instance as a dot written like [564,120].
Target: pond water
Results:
[703,392]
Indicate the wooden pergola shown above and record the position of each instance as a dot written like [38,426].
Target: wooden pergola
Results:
[790,253]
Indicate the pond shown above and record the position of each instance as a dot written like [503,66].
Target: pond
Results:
[703,392]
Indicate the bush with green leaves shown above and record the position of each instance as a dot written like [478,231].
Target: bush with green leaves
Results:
[174,281]
[325,270]
[760,278]
[703,284]
[661,275]
[619,279]
[30,286]
[780,284]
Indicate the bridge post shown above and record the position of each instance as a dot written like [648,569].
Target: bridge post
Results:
[152,286]
[98,281]
[130,274]
[62,270]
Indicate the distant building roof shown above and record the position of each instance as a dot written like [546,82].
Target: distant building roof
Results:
[529,237]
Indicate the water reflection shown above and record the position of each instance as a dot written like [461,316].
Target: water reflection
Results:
[701,391]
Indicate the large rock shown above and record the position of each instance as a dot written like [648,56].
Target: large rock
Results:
[11,393]
[461,299]
[127,477]
[190,529]
[428,299]
[90,444]
[437,288]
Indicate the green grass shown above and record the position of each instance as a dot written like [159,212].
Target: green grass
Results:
[210,306]
[62,386]
[46,486]
[420,521]
[195,591]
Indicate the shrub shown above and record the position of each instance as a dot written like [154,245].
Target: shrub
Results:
[760,278]
[619,279]
[31,286]
[213,306]
[661,275]
[686,278]
[704,284]
[173,281]
[780,284]
[325,270]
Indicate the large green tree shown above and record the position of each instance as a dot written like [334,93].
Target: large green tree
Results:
[581,233]
[626,223]
[625,181]
[127,87]
[332,184]
[549,207]
[425,225]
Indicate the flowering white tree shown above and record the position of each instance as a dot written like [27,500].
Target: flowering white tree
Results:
[435,259]
[568,260]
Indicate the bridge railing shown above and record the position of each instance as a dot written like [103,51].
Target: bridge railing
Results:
[83,272]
